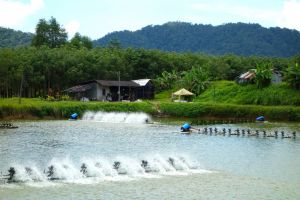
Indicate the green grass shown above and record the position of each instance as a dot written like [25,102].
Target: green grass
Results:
[286,113]
[164,96]
[229,92]
[62,109]
[227,99]
[9,108]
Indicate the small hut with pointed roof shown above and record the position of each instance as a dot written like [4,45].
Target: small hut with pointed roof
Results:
[182,93]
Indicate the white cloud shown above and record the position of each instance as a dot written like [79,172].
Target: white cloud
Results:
[240,12]
[287,16]
[290,15]
[72,27]
[14,13]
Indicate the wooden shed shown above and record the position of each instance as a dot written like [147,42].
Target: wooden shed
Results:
[107,90]
[146,89]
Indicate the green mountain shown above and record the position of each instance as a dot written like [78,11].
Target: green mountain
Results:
[12,38]
[236,38]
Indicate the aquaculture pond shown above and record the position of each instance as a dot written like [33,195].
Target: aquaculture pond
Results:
[119,156]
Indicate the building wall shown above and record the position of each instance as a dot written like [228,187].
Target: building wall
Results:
[101,95]
[91,94]
[145,92]
[276,78]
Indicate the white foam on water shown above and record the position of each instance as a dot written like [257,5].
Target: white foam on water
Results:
[99,167]
[64,169]
[28,174]
[117,117]
[159,164]
[130,166]
[96,170]
[42,184]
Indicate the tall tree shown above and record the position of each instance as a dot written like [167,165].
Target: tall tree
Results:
[80,41]
[49,33]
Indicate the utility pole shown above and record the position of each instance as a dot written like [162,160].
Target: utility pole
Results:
[21,87]
[119,92]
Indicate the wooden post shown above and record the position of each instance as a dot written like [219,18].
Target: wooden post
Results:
[119,91]
[21,88]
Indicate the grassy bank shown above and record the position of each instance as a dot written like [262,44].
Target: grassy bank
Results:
[36,108]
[227,99]
[229,92]
[286,113]
[10,108]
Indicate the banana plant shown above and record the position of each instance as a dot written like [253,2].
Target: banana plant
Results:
[292,76]
[263,75]
[196,80]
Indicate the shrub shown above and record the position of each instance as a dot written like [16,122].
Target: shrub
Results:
[50,98]
[65,97]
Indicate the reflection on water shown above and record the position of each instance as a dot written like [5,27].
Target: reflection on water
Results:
[155,161]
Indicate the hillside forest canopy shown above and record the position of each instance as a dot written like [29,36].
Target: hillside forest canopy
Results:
[243,39]
[12,38]
[232,38]
[52,64]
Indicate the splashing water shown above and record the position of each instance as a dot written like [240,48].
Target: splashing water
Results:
[117,117]
[91,170]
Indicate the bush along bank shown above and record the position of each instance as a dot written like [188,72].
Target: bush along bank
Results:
[59,110]
[34,108]
[282,113]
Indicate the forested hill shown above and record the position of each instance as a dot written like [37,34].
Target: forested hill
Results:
[236,38]
[12,38]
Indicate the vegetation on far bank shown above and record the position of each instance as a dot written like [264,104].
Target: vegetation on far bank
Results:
[53,64]
[11,109]
[227,99]
[230,92]
[233,93]
[49,71]
[207,110]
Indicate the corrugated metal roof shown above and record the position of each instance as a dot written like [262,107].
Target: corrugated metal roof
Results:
[247,75]
[142,82]
[108,83]
[250,75]
[117,83]
[79,88]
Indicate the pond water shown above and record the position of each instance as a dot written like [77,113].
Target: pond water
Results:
[99,158]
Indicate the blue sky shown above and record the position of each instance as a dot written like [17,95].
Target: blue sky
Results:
[96,18]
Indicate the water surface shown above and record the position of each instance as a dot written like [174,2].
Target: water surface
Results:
[206,166]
